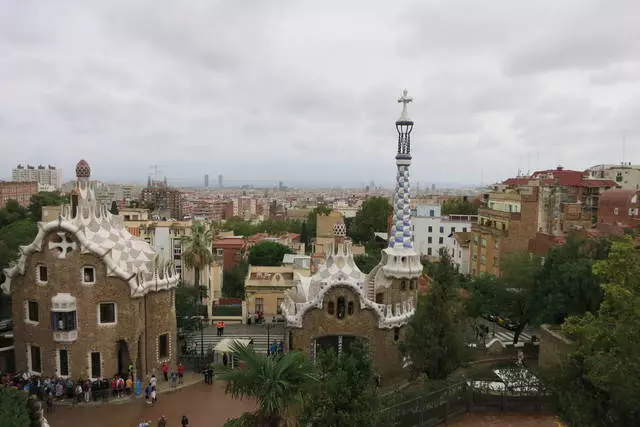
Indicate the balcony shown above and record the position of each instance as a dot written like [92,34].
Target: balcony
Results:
[65,336]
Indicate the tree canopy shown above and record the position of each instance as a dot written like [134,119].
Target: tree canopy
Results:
[372,217]
[44,198]
[241,227]
[345,394]
[233,281]
[268,253]
[599,383]
[458,206]
[531,291]
[434,341]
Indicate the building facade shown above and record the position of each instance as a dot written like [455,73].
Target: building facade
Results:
[460,252]
[505,226]
[166,201]
[620,208]
[625,175]
[339,303]
[19,191]
[50,175]
[88,298]
[433,231]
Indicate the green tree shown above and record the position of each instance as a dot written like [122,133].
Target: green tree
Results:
[233,281]
[517,295]
[19,409]
[187,303]
[114,208]
[196,249]
[372,217]
[276,383]
[367,261]
[268,253]
[346,393]
[569,286]
[44,198]
[458,206]
[12,212]
[599,383]
[434,341]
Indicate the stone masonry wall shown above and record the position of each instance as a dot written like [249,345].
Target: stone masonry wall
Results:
[363,323]
[64,276]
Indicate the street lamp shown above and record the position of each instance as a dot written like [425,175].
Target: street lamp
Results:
[268,327]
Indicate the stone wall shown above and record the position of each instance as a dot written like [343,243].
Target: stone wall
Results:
[553,346]
[362,323]
[64,276]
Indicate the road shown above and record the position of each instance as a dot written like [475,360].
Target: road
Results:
[205,405]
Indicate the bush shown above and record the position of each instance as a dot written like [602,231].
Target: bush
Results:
[14,409]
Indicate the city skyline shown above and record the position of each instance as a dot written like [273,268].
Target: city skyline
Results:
[222,88]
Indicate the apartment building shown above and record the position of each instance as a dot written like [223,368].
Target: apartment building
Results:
[504,226]
[433,231]
[19,191]
[50,175]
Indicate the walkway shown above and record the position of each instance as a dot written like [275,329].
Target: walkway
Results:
[205,405]
[504,420]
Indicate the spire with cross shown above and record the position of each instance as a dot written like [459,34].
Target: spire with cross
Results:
[401,230]
[404,99]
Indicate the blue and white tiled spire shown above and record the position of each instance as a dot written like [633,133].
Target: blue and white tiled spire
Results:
[401,230]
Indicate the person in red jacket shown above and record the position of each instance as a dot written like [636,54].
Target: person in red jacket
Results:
[165,371]
[180,373]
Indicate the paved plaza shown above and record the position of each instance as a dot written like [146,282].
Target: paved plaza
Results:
[205,405]
[505,420]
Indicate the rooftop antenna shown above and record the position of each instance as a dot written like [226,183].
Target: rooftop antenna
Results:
[624,145]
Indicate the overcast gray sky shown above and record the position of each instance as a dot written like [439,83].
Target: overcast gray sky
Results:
[305,90]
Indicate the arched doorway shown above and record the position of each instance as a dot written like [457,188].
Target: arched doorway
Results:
[124,358]
[139,367]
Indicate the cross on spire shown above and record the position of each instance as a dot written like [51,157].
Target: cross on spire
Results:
[404,99]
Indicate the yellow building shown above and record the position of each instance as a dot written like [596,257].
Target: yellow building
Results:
[265,286]
[324,233]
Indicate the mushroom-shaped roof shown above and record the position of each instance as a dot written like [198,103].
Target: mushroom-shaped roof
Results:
[82,169]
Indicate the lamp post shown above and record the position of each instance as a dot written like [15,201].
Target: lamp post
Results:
[268,327]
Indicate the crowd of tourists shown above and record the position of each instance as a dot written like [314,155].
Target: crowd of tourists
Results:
[50,389]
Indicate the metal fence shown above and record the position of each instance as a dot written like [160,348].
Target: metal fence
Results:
[434,408]
[195,362]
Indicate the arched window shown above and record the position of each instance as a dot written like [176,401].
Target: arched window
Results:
[396,334]
[350,308]
[330,307]
[341,308]
[403,285]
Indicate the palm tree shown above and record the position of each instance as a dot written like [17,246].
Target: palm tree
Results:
[277,384]
[196,249]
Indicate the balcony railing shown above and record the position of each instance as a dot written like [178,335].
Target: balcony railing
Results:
[492,213]
[65,336]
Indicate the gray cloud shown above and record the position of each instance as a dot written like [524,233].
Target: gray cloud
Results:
[305,90]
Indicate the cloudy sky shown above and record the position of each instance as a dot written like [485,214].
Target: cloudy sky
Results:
[305,90]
